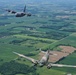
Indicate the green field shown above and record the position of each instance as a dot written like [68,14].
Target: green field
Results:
[68,41]
[45,29]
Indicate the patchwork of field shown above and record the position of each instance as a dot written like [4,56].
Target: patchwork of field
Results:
[47,28]
[59,55]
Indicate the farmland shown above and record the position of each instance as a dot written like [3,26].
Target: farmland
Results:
[50,26]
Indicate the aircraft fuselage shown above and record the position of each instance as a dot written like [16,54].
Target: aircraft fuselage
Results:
[20,14]
[44,60]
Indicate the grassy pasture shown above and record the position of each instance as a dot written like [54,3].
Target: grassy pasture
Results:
[67,41]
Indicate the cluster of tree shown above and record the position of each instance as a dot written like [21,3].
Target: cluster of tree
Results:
[32,41]
[18,41]
[44,41]
[69,30]
[1,60]
[52,27]
[13,68]
[55,27]
[41,36]
[25,32]
[56,20]
[56,35]
[20,22]
[31,54]
[3,17]
[61,14]
[39,22]
[4,23]
[51,35]
[2,34]
[31,28]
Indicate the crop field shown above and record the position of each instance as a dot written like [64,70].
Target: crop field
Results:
[47,28]
[68,41]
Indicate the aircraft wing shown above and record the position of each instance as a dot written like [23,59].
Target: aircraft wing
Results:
[61,65]
[28,58]
[43,52]
[50,52]
[11,11]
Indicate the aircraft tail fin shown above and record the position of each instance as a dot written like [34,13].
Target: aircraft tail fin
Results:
[48,51]
[24,9]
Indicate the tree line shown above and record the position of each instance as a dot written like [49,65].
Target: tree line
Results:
[13,68]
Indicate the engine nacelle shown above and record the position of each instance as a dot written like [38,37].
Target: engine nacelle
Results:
[49,66]
[35,63]
[28,14]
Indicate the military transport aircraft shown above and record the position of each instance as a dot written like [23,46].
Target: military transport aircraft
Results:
[19,14]
[44,60]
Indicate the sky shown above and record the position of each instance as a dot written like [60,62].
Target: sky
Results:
[12,2]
